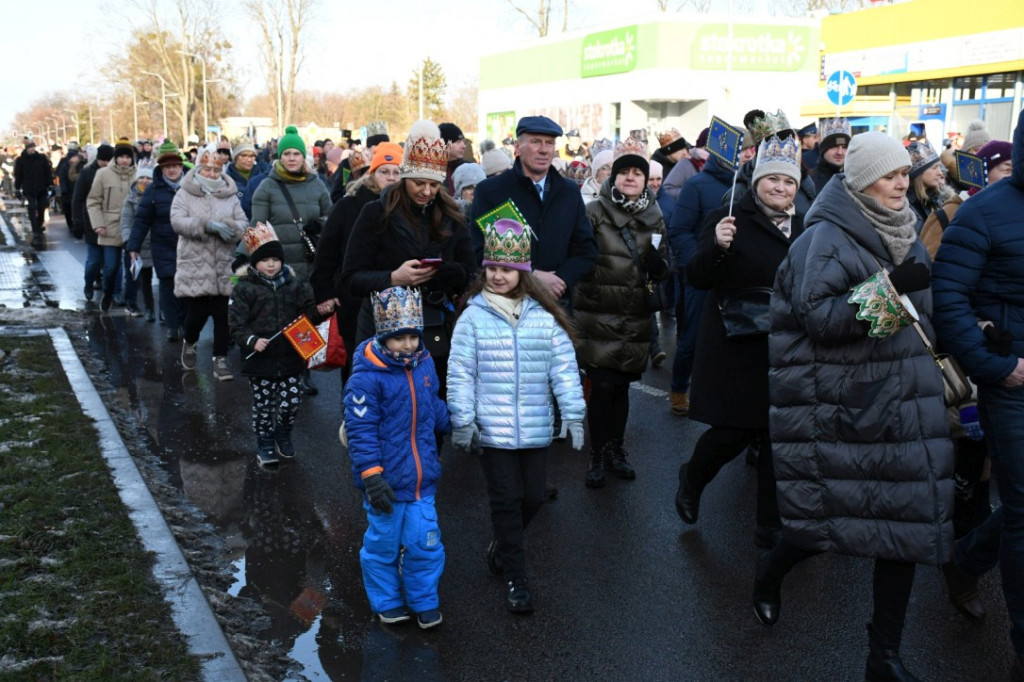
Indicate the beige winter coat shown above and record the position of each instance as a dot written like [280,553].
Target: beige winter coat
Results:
[106,199]
[204,259]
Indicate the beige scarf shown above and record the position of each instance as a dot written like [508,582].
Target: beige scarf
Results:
[509,308]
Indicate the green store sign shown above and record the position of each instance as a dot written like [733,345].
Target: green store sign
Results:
[608,52]
[751,47]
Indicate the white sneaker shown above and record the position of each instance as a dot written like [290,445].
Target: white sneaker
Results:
[220,369]
[188,355]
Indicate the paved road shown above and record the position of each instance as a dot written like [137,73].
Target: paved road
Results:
[624,591]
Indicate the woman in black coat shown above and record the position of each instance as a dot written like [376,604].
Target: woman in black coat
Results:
[330,253]
[737,257]
[413,236]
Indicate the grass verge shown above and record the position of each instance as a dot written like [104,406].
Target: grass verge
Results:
[77,597]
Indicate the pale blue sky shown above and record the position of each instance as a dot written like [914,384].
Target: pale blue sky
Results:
[382,40]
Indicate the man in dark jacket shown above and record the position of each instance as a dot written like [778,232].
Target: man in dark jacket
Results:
[978,276]
[33,178]
[452,134]
[69,167]
[565,248]
[836,134]
[94,253]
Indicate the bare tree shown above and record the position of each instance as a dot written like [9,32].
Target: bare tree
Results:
[540,20]
[282,24]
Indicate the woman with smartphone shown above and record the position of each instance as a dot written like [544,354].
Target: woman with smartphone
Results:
[413,236]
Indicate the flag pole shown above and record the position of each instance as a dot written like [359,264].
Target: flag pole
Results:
[732,194]
[268,341]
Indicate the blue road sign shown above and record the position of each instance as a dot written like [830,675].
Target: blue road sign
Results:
[841,87]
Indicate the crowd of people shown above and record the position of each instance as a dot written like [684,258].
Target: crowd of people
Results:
[511,298]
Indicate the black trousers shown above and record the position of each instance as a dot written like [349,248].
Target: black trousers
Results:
[198,311]
[515,487]
[607,414]
[37,204]
[890,587]
[718,446]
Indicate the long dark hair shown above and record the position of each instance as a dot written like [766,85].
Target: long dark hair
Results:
[528,286]
[441,209]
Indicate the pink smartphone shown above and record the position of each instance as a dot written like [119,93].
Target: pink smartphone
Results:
[430,262]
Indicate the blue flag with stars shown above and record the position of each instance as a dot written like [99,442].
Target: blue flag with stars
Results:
[971,169]
[724,142]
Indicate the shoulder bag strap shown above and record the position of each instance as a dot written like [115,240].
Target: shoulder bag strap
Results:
[296,218]
[627,237]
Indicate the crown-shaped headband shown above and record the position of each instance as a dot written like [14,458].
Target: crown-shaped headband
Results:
[376,128]
[768,125]
[507,243]
[667,136]
[577,171]
[631,145]
[599,146]
[774,150]
[834,126]
[922,155]
[426,153]
[397,309]
[258,235]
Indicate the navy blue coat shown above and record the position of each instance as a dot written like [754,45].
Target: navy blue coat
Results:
[564,243]
[153,217]
[978,274]
[254,181]
[701,195]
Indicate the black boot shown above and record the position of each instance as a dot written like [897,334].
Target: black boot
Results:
[283,442]
[687,499]
[595,475]
[616,461]
[767,591]
[884,665]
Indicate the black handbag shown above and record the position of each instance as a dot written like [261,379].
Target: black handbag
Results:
[654,297]
[305,234]
[745,312]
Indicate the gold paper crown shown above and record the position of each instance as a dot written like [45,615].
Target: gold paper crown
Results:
[834,126]
[768,125]
[258,235]
[667,136]
[774,150]
[630,145]
[376,128]
[395,309]
[426,154]
[507,242]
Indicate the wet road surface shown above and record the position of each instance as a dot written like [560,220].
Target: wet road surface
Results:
[623,589]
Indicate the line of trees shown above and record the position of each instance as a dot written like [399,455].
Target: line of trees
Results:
[175,77]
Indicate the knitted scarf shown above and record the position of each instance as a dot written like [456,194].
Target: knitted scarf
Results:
[896,228]
[209,185]
[638,205]
[288,176]
[411,359]
[778,218]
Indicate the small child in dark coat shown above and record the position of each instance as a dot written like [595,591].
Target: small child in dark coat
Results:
[267,297]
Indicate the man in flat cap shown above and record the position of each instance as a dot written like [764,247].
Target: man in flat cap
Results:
[565,248]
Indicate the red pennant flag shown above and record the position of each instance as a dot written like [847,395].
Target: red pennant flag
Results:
[304,337]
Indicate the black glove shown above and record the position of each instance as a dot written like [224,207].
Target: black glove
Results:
[450,276]
[910,276]
[998,340]
[379,493]
[655,265]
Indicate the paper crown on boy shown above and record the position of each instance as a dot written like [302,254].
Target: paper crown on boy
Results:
[261,242]
[397,310]
[507,243]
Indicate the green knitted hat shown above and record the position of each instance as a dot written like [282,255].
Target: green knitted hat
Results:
[291,140]
[168,153]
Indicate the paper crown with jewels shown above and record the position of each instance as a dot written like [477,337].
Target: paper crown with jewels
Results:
[631,145]
[397,310]
[507,243]
[770,124]
[599,146]
[827,127]
[922,157]
[426,154]
[777,157]
[376,128]
[578,172]
[258,235]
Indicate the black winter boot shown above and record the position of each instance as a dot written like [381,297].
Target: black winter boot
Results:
[595,475]
[616,461]
[884,665]
[283,442]
[266,456]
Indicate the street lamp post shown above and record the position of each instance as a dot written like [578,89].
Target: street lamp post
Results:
[206,113]
[135,109]
[63,127]
[163,96]
[74,117]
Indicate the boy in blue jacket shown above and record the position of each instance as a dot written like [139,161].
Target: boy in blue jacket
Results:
[392,411]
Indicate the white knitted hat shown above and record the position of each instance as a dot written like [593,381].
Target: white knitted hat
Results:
[871,156]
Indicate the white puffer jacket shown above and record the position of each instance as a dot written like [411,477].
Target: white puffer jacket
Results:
[502,378]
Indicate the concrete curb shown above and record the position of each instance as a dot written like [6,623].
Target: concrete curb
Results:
[190,609]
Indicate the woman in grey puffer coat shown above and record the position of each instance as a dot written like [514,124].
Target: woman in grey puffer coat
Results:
[209,221]
[860,437]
